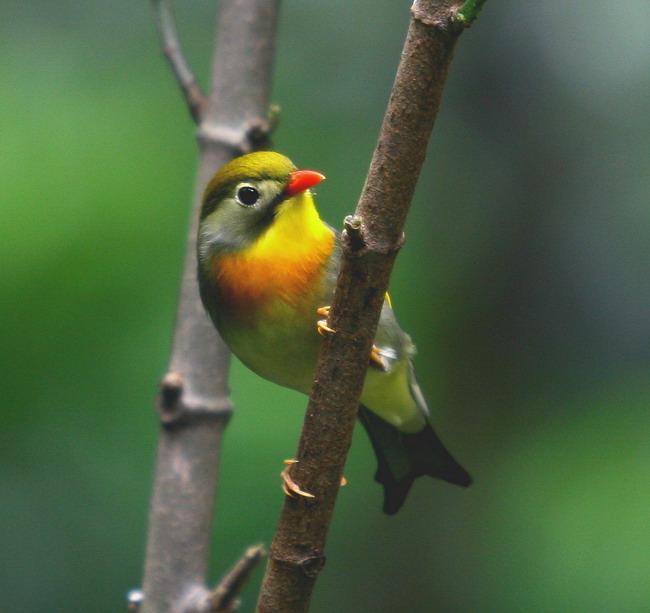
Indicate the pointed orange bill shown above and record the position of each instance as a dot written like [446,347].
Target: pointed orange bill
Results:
[302,180]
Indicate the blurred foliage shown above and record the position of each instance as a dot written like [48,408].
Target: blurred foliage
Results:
[524,281]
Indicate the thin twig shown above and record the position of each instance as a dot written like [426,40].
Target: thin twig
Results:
[224,595]
[371,241]
[171,47]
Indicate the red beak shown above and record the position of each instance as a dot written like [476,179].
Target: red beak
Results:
[302,180]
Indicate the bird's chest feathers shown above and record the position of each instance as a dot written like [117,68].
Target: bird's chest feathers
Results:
[281,269]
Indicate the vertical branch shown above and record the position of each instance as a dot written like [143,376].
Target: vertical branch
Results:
[370,243]
[193,404]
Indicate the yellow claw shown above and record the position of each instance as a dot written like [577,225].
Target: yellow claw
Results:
[289,486]
[377,359]
[321,325]
[323,328]
[375,356]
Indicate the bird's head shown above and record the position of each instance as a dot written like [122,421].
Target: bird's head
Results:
[247,196]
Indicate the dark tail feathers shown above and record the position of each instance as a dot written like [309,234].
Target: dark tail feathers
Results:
[404,457]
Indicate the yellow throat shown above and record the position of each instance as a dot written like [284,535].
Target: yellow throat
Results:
[283,264]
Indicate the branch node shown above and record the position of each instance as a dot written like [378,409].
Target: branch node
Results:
[257,135]
[224,598]
[455,18]
[357,242]
[251,136]
[259,131]
[310,563]
[174,405]
[427,16]
[169,405]
[353,237]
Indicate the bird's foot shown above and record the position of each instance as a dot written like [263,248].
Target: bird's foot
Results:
[289,486]
[321,325]
[375,356]
[378,360]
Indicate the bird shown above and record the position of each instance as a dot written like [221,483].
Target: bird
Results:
[267,267]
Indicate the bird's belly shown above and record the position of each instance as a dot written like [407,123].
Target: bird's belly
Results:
[282,349]
[282,346]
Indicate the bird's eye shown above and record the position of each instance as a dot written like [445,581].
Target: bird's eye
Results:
[247,195]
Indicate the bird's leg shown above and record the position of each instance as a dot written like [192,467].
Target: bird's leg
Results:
[291,488]
[321,325]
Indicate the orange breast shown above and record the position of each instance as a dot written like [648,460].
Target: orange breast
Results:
[253,281]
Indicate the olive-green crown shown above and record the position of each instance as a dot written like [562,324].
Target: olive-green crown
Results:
[252,166]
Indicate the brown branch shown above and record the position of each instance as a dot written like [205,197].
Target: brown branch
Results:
[193,405]
[371,241]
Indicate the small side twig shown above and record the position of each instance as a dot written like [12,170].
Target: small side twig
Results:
[468,13]
[224,598]
[171,47]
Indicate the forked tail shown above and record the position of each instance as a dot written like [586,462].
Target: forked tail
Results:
[404,457]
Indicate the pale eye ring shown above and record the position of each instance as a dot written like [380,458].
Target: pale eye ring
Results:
[247,195]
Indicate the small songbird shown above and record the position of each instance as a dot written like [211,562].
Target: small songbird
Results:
[267,267]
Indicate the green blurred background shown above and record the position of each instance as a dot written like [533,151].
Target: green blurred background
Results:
[524,281]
